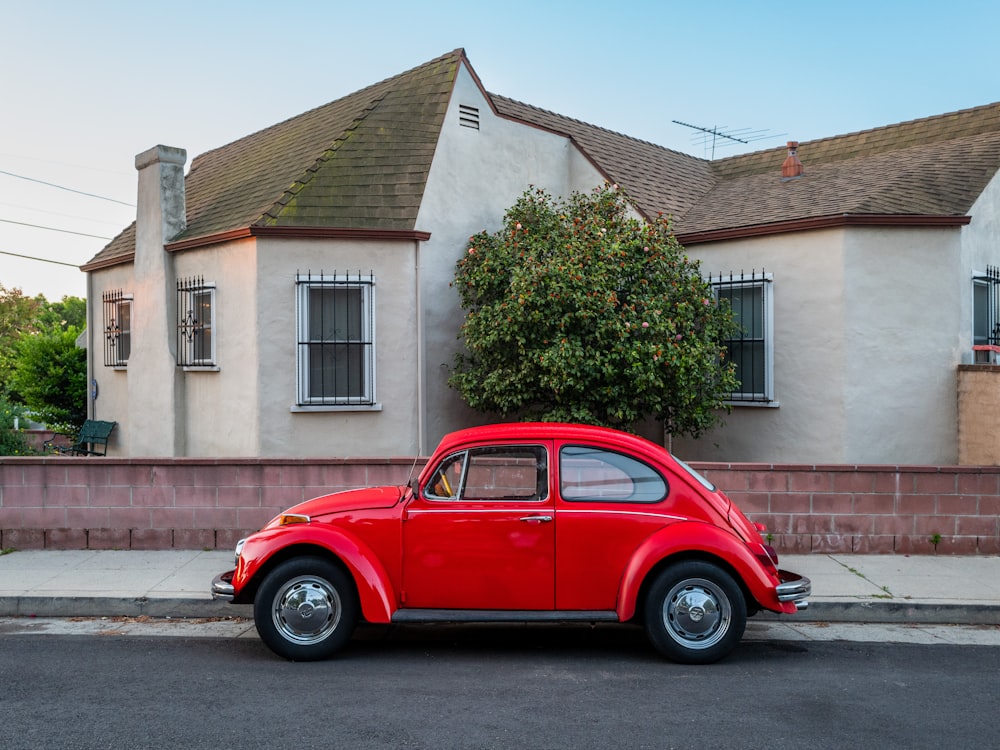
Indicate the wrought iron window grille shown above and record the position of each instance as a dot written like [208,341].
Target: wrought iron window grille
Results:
[195,322]
[749,298]
[986,307]
[117,308]
[336,339]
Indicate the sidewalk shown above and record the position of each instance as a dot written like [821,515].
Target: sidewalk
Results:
[846,588]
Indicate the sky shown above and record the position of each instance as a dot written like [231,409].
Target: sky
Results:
[87,86]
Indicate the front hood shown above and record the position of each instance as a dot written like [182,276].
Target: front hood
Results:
[338,502]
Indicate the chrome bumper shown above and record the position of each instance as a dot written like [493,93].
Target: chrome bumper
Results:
[222,586]
[794,588]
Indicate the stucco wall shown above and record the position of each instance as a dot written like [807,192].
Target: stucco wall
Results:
[106,503]
[476,176]
[867,336]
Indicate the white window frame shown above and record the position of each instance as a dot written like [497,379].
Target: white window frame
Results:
[365,399]
[765,282]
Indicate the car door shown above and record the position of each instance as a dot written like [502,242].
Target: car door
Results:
[480,534]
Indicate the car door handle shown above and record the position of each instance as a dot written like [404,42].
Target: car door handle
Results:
[536,519]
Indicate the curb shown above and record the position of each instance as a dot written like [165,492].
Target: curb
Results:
[106,606]
[883,612]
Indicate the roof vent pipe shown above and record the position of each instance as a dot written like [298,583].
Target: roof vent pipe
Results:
[792,167]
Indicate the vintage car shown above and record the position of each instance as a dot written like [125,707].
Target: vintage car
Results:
[514,523]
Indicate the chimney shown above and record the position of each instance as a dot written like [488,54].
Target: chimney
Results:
[792,167]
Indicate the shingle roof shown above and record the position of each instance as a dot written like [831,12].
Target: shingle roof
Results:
[361,162]
[358,162]
[935,166]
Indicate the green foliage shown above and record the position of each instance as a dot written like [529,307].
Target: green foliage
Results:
[17,316]
[50,376]
[11,443]
[577,311]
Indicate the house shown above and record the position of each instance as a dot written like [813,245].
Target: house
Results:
[290,296]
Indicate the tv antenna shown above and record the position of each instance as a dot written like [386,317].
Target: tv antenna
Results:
[709,137]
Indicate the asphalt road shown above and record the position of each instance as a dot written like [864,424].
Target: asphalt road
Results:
[490,688]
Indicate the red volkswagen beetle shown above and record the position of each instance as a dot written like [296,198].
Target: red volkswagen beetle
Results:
[518,522]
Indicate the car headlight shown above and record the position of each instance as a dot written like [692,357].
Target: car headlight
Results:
[239,549]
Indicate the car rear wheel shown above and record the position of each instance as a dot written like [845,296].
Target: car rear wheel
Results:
[695,613]
[306,609]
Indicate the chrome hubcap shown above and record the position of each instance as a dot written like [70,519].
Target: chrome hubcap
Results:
[306,609]
[697,613]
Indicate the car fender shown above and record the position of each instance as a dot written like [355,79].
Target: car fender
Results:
[376,593]
[685,538]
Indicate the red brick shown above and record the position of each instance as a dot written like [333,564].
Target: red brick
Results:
[791,502]
[108,538]
[227,538]
[893,525]
[64,495]
[11,475]
[930,525]
[152,497]
[23,539]
[172,518]
[727,481]
[45,474]
[874,504]
[23,497]
[65,539]
[88,474]
[890,483]
[87,518]
[751,502]
[792,544]
[767,481]
[854,482]
[44,518]
[238,497]
[979,483]
[281,497]
[957,545]
[958,505]
[812,524]
[917,505]
[838,504]
[130,518]
[152,539]
[111,497]
[194,539]
[223,518]
[934,484]
[203,497]
[831,543]
[976,525]
[874,544]
[810,481]
[854,524]
[988,545]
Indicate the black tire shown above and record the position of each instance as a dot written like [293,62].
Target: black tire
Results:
[306,609]
[695,613]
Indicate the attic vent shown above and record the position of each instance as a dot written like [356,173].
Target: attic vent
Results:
[468,117]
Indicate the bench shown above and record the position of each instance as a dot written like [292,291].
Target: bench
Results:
[91,441]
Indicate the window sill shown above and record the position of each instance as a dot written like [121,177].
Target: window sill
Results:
[754,404]
[200,368]
[303,409]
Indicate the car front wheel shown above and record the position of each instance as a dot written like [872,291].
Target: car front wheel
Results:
[306,609]
[695,613]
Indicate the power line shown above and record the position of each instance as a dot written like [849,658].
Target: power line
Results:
[70,190]
[53,229]
[43,260]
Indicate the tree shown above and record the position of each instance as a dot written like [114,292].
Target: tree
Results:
[577,311]
[18,314]
[50,376]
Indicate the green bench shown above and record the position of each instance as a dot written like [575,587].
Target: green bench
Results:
[91,441]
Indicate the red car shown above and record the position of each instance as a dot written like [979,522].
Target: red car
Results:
[518,522]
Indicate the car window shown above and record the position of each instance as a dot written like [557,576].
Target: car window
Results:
[601,475]
[493,473]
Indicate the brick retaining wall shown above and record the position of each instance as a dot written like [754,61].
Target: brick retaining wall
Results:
[111,503]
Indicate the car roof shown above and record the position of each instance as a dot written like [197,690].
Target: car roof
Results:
[546,431]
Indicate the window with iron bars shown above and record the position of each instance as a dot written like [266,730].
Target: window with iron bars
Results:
[985,307]
[752,348]
[195,323]
[117,328]
[336,332]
